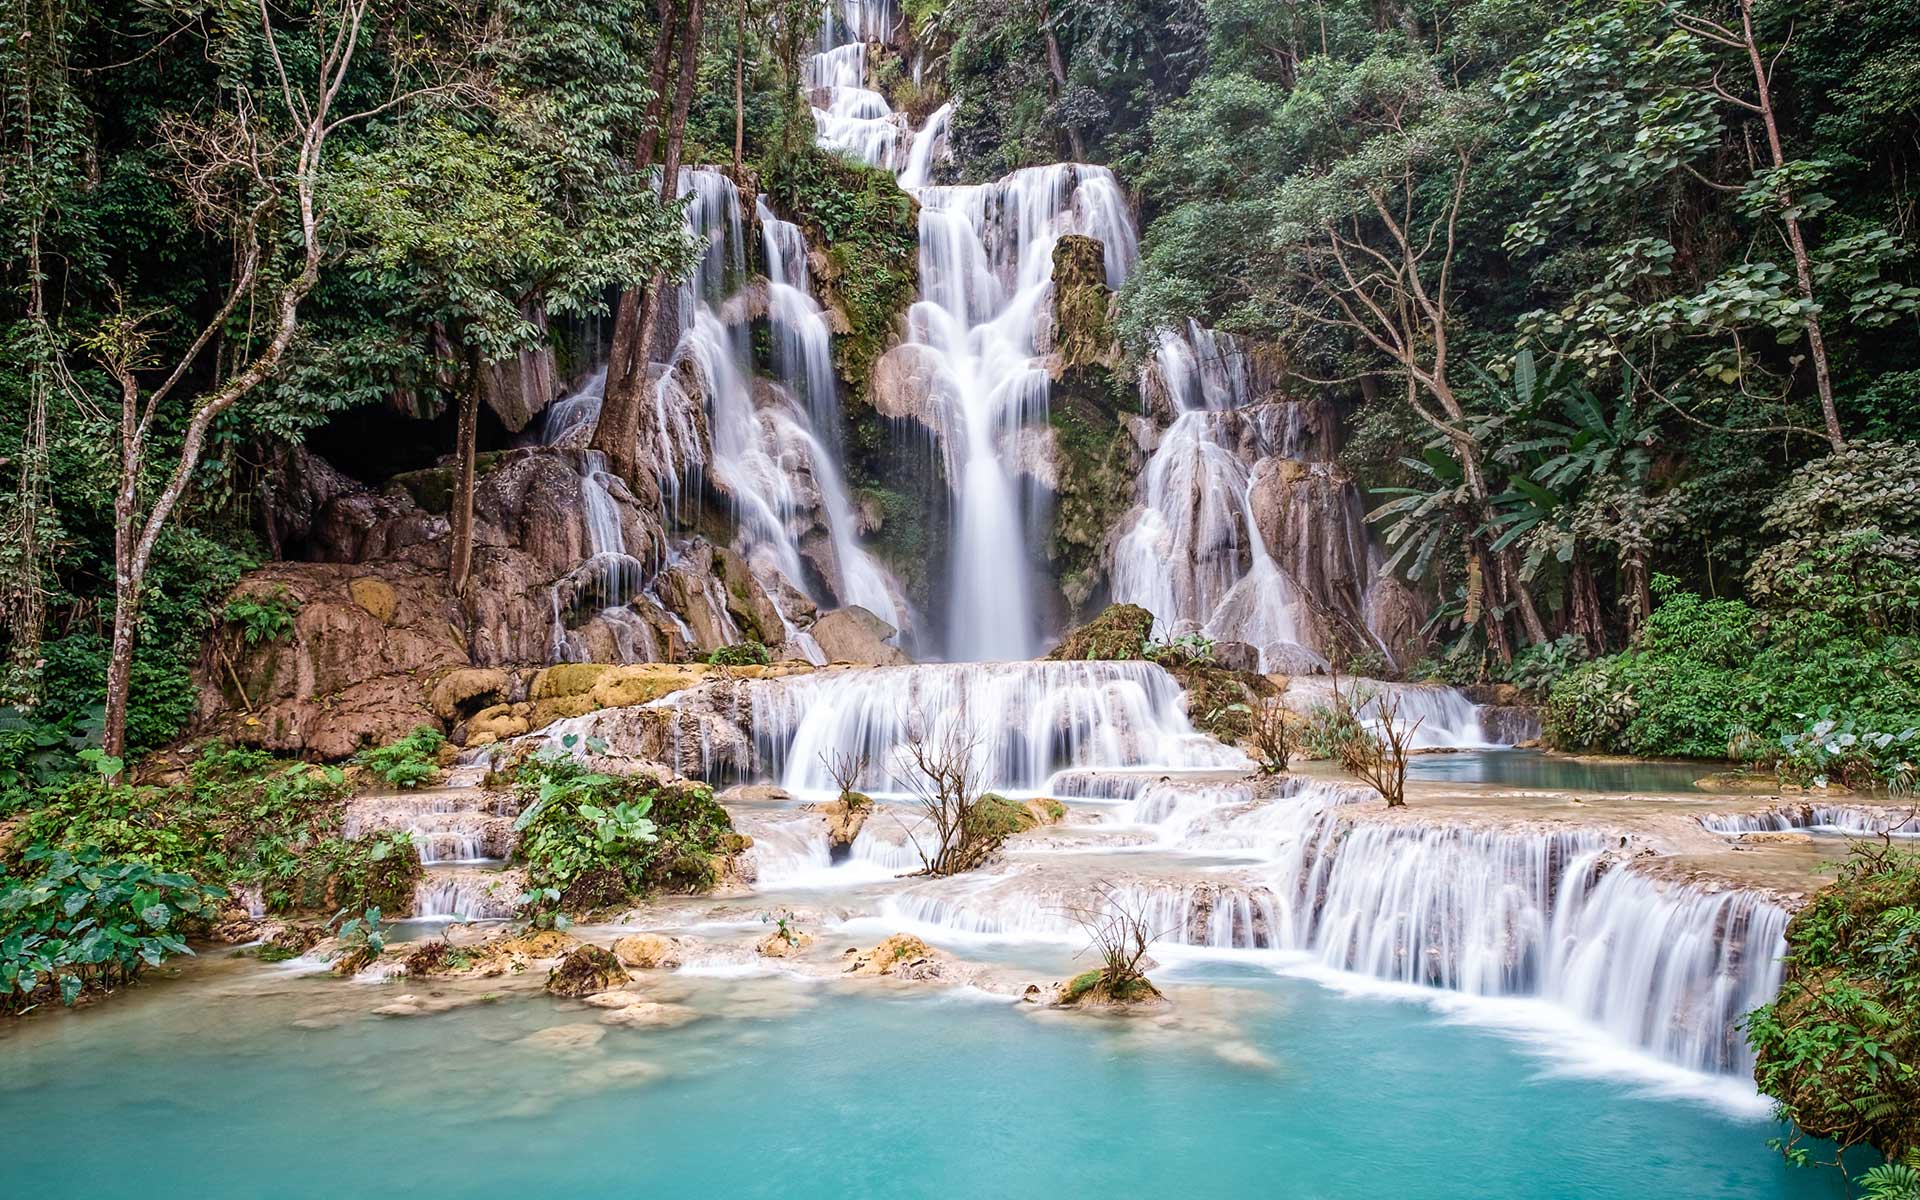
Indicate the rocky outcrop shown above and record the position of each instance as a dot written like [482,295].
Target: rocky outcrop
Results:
[585,970]
[910,384]
[1082,332]
[854,635]
[651,951]
[354,670]
[901,956]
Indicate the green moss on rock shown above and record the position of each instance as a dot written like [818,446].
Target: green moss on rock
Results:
[1116,634]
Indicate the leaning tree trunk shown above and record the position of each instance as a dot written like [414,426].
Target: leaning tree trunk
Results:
[617,433]
[460,517]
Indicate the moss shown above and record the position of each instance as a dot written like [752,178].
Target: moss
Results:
[1220,701]
[870,229]
[1116,634]
[996,818]
[1093,987]
[1096,468]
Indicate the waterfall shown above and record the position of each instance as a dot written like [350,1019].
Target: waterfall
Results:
[1446,718]
[1850,820]
[1026,721]
[803,362]
[986,263]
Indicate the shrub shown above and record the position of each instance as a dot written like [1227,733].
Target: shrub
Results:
[1839,1048]
[594,840]
[1849,539]
[1706,673]
[80,922]
[741,654]
[1835,750]
[408,762]
[1186,650]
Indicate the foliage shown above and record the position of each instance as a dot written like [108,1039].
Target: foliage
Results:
[1834,750]
[260,618]
[1539,667]
[1184,650]
[74,923]
[1704,671]
[1839,1048]
[407,762]
[1848,539]
[869,229]
[592,841]
[741,654]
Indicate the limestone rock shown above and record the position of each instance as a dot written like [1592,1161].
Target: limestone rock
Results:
[648,1014]
[585,970]
[464,691]
[855,635]
[779,945]
[909,383]
[651,951]
[900,956]
[565,1038]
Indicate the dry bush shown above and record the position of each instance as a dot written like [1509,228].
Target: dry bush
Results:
[846,769]
[1377,754]
[942,774]
[1271,733]
[1117,930]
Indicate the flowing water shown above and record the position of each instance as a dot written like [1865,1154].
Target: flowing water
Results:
[792,1090]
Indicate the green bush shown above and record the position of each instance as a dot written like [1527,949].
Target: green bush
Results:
[1839,1048]
[591,841]
[741,654]
[72,923]
[1707,675]
[408,762]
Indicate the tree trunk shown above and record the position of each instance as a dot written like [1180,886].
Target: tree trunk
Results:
[1583,601]
[617,433]
[1057,68]
[739,89]
[1802,266]
[460,516]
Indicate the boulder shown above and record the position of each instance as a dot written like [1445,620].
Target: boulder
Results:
[855,635]
[910,383]
[901,956]
[783,945]
[586,969]
[651,951]
[1236,656]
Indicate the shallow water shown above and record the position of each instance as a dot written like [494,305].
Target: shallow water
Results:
[1263,1086]
[1532,769]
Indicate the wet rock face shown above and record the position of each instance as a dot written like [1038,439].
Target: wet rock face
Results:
[854,635]
[1082,333]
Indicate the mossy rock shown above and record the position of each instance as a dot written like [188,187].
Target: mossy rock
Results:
[1116,634]
[566,679]
[1093,989]
[585,970]
[997,818]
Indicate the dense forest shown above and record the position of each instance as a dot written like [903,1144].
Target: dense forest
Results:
[1615,304]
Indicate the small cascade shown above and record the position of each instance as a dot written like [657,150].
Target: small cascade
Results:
[1851,820]
[1447,719]
[1035,718]
[464,835]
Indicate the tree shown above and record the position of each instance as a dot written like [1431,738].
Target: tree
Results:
[617,432]
[242,168]
[525,208]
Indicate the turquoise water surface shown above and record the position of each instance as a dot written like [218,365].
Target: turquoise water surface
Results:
[1264,1086]
[1532,769]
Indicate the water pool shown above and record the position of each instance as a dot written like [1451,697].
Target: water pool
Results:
[1532,769]
[1264,1086]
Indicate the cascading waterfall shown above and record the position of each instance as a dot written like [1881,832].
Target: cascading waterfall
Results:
[986,263]
[1851,820]
[1441,717]
[1039,717]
